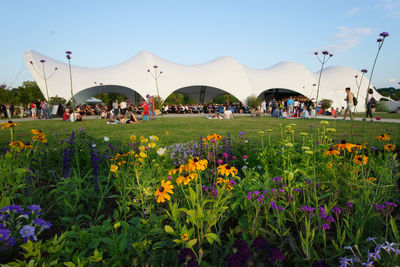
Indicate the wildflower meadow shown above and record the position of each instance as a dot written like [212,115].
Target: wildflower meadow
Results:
[307,198]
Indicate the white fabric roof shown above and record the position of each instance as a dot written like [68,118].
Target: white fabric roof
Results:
[219,76]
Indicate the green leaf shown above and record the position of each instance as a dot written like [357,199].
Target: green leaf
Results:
[211,237]
[191,243]
[122,244]
[394,228]
[69,264]
[169,229]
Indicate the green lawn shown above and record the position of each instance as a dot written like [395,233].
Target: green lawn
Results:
[189,128]
[383,115]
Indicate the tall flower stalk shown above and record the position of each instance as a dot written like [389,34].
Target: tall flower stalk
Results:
[68,55]
[156,74]
[322,59]
[43,75]
[358,84]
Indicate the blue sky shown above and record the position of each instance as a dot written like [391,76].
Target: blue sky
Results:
[258,34]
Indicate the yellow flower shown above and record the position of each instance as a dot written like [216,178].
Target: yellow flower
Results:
[195,164]
[390,147]
[303,133]
[332,152]
[166,133]
[178,169]
[331,130]
[185,237]
[371,179]
[143,155]
[162,193]
[309,152]
[261,133]
[227,170]
[324,122]
[117,225]
[344,146]
[360,159]
[152,145]
[226,182]
[121,162]
[269,130]
[357,147]
[383,137]
[142,148]
[36,132]
[140,160]
[185,179]
[8,124]
[133,138]
[113,168]
[17,144]
[144,140]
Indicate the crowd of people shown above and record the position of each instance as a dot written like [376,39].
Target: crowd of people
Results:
[126,112]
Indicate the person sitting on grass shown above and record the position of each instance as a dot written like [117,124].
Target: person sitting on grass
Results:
[214,116]
[257,113]
[66,115]
[228,113]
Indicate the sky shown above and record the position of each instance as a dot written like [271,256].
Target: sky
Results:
[257,33]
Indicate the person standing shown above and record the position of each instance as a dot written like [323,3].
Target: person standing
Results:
[38,108]
[290,103]
[46,109]
[21,110]
[115,107]
[371,102]
[264,106]
[274,105]
[145,108]
[349,100]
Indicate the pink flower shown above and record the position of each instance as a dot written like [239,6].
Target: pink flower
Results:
[245,157]
[378,118]
[219,161]
[169,178]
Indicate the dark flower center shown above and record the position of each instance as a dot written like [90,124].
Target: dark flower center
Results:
[161,189]
[343,142]
[186,175]
[195,160]
[228,167]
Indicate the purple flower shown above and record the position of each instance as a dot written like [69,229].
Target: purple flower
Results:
[325,226]
[147,96]
[307,209]
[349,204]
[379,40]
[364,71]
[16,208]
[27,231]
[276,254]
[186,255]
[280,208]
[387,203]
[68,52]
[233,157]
[256,192]
[260,243]
[276,179]
[248,196]
[297,190]
[281,190]
[155,66]
[273,205]
[232,182]
[336,210]
[44,224]
[225,155]
[325,52]
[34,208]
[4,234]
[384,34]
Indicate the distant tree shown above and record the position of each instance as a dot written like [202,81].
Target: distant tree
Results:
[253,101]
[225,98]
[326,103]
[390,92]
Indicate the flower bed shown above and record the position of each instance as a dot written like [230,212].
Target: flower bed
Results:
[220,201]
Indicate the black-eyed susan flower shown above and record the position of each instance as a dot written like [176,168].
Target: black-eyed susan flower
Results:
[332,152]
[383,137]
[360,159]
[357,147]
[163,192]
[389,147]
[186,178]
[197,164]
[185,237]
[227,170]
[17,144]
[8,124]
[177,169]
[344,146]
[226,182]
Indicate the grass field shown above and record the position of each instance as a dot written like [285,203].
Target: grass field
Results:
[190,128]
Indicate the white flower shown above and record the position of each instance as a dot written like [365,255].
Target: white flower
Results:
[161,151]
[151,138]
[93,145]
[106,139]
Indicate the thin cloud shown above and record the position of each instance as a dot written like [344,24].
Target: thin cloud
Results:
[346,38]
[392,80]
[353,11]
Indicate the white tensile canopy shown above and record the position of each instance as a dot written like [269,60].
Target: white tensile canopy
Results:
[201,82]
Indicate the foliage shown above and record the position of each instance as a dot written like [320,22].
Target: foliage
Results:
[390,92]
[326,103]
[56,100]
[158,102]
[225,98]
[293,196]
[178,98]
[253,101]
[26,93]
